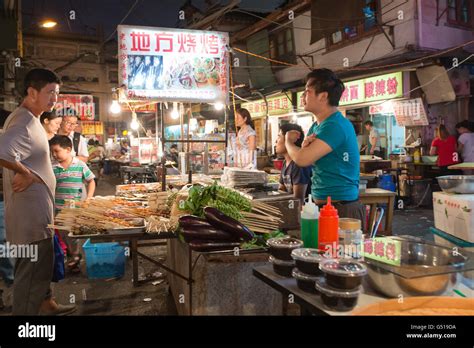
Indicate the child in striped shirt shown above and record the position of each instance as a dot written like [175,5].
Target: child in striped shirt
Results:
[70,174]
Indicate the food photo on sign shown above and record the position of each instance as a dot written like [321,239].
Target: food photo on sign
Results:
[145,72]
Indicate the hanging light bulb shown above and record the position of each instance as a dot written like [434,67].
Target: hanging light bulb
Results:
[175,112]
[134,124]
[218,106]
[115,107]
[193,124]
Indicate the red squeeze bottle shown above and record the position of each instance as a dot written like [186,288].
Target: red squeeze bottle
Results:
[328,235]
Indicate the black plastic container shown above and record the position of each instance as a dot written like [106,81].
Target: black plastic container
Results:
[283,268]
[335,299]
[308,260]
[281,247]
[304,281]
[343,274]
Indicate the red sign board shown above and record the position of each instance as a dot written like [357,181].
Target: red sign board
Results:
[82,105]
[173,64]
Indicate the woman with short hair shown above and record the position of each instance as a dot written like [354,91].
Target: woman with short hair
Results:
[51,123]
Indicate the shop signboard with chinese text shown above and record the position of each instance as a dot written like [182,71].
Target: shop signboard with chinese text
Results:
[173,64]
[82,105]
[410,113]
[279,105]
[92,128]
[382,87]
[141,107]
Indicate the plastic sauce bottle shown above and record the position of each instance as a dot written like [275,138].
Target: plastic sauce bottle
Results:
[309,224]
[328,236]
[417,156]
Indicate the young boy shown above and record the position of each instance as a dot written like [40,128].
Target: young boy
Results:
[70,173]
[293,179]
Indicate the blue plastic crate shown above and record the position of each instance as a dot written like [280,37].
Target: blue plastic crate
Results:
[104,260]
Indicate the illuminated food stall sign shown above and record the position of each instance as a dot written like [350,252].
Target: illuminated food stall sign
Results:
[279,105]
[92,128]
[381,87]
[388,86]
[173,64]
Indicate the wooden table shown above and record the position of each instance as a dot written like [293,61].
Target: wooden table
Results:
[374,196]
[467,166]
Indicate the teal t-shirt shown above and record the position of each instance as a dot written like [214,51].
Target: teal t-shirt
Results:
[337,173]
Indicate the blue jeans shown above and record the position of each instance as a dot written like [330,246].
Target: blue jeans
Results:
[6,264]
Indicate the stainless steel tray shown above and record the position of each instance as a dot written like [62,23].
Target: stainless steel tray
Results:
[112,232]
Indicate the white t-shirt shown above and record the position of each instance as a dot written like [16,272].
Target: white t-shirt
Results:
[375,134]
[82,150]
[467,140]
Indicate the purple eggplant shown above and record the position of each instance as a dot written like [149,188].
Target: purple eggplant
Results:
[208,245]
[206,233]
[191,221]
[221,221]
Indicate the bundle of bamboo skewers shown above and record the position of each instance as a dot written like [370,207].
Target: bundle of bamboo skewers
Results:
[98,214]
[264,218]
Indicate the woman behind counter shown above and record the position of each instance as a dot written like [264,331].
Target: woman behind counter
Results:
[444,145]
[246,140]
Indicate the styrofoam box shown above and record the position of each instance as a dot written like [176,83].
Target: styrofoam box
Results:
[454,214]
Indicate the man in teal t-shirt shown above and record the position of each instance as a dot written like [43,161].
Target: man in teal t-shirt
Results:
[330,147]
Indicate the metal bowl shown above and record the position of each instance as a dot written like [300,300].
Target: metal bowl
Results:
[457,183]
[426,270]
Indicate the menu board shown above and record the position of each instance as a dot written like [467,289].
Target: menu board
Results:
[173,64]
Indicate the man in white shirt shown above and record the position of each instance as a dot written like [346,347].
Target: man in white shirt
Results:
[374,147]
[68,125]
[466,144]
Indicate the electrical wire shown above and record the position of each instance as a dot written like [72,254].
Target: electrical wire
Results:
[123,19]
[405,94]
[364,68]
[262,57]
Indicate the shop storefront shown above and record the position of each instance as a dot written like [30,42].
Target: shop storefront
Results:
[374,98]
[280,111]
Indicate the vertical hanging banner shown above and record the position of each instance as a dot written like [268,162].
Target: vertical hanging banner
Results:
[173,64]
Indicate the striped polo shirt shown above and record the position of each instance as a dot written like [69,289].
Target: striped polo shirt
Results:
[69,181]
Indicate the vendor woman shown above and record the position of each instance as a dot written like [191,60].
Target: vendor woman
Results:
[246,140]
[330,147]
